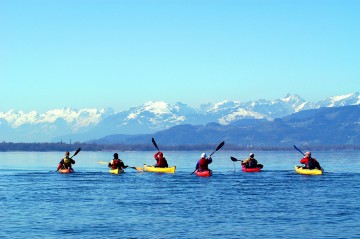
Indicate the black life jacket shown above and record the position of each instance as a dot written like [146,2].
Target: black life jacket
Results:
[312,164]
[252,163]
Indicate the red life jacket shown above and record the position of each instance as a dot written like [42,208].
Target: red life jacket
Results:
[161,162]
[115,164]
[203,164]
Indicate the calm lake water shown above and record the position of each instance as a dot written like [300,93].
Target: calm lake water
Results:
[37,202]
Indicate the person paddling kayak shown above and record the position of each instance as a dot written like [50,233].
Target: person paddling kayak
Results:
[116,163]
[310,162]
[161,161]
[251,162]
[66,162]
[203,163]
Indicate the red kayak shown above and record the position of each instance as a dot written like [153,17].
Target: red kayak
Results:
[66,170]
[206,173]
[250,170]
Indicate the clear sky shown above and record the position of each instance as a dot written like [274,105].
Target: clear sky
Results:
[122,53]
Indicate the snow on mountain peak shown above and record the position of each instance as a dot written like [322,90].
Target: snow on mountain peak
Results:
[157,113]
[75,119]
[342,100]
[16,119]
[289,98]
[157,107]
[240,113]
[153,116]
[223,105]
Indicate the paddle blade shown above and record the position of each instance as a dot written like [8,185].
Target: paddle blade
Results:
[140,169]
[218,147]
[76,152]
[102,162]
[234,159]
[154,143]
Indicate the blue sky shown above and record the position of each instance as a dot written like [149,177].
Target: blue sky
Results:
[100,53]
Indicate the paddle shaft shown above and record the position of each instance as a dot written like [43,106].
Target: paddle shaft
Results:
[299,150]
[77,151]
[218,147]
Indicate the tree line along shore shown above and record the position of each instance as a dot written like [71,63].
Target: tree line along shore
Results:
[46,147]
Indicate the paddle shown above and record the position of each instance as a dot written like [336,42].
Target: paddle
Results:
[218,147]
[136,168]
[154,143]
[76,152]
[298,150]
[234,159]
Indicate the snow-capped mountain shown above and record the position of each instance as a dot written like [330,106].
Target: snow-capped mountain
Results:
[147,118]
[343,100]
[153,116]
[19,126]
[75,119]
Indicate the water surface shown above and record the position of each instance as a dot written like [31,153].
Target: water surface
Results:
[35,201]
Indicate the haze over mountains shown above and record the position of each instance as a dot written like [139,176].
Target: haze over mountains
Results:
[151,117]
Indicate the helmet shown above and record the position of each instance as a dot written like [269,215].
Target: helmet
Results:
[116,155]
[203,155]
[251,155]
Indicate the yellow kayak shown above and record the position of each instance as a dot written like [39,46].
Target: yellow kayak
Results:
[116,171]
[149,168]
[300,170]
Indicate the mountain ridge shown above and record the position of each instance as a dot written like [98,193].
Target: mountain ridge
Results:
[324,126]
[85,124]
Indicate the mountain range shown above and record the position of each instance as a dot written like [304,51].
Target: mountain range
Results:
[155,117]
[325,126]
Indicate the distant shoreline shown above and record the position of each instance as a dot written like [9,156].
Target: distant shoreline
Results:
[48,147]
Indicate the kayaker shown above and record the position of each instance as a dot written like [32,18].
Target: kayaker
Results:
[203,163]
[251,162]
[310,162]
[161,161]
[116,163]
[66,162]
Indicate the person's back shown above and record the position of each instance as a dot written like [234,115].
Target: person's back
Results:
[161,161]
[203,163]
[252,163]
[313,164]
[310,162]
[66,162]
[116,163]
